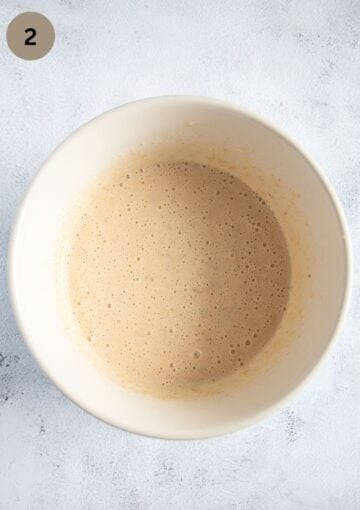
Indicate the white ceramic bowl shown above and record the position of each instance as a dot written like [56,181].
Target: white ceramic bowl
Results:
[198,128]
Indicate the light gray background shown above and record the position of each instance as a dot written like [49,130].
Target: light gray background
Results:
[296,62]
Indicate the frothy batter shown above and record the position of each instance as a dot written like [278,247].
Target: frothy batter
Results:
[177,275]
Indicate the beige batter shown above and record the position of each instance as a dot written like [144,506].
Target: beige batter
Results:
[177,274]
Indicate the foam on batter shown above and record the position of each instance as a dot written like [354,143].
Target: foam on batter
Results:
[178,274]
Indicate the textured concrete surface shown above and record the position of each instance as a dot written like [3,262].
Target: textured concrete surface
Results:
[297,63]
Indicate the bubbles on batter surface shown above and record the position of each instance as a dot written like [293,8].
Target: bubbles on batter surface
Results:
[179,274]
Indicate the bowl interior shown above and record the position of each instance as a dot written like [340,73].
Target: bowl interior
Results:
[201,130]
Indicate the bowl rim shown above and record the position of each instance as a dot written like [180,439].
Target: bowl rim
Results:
[236,425]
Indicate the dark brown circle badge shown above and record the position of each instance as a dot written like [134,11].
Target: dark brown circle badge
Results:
[30,35]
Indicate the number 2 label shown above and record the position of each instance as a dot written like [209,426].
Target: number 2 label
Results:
[30,35]
[29,40]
